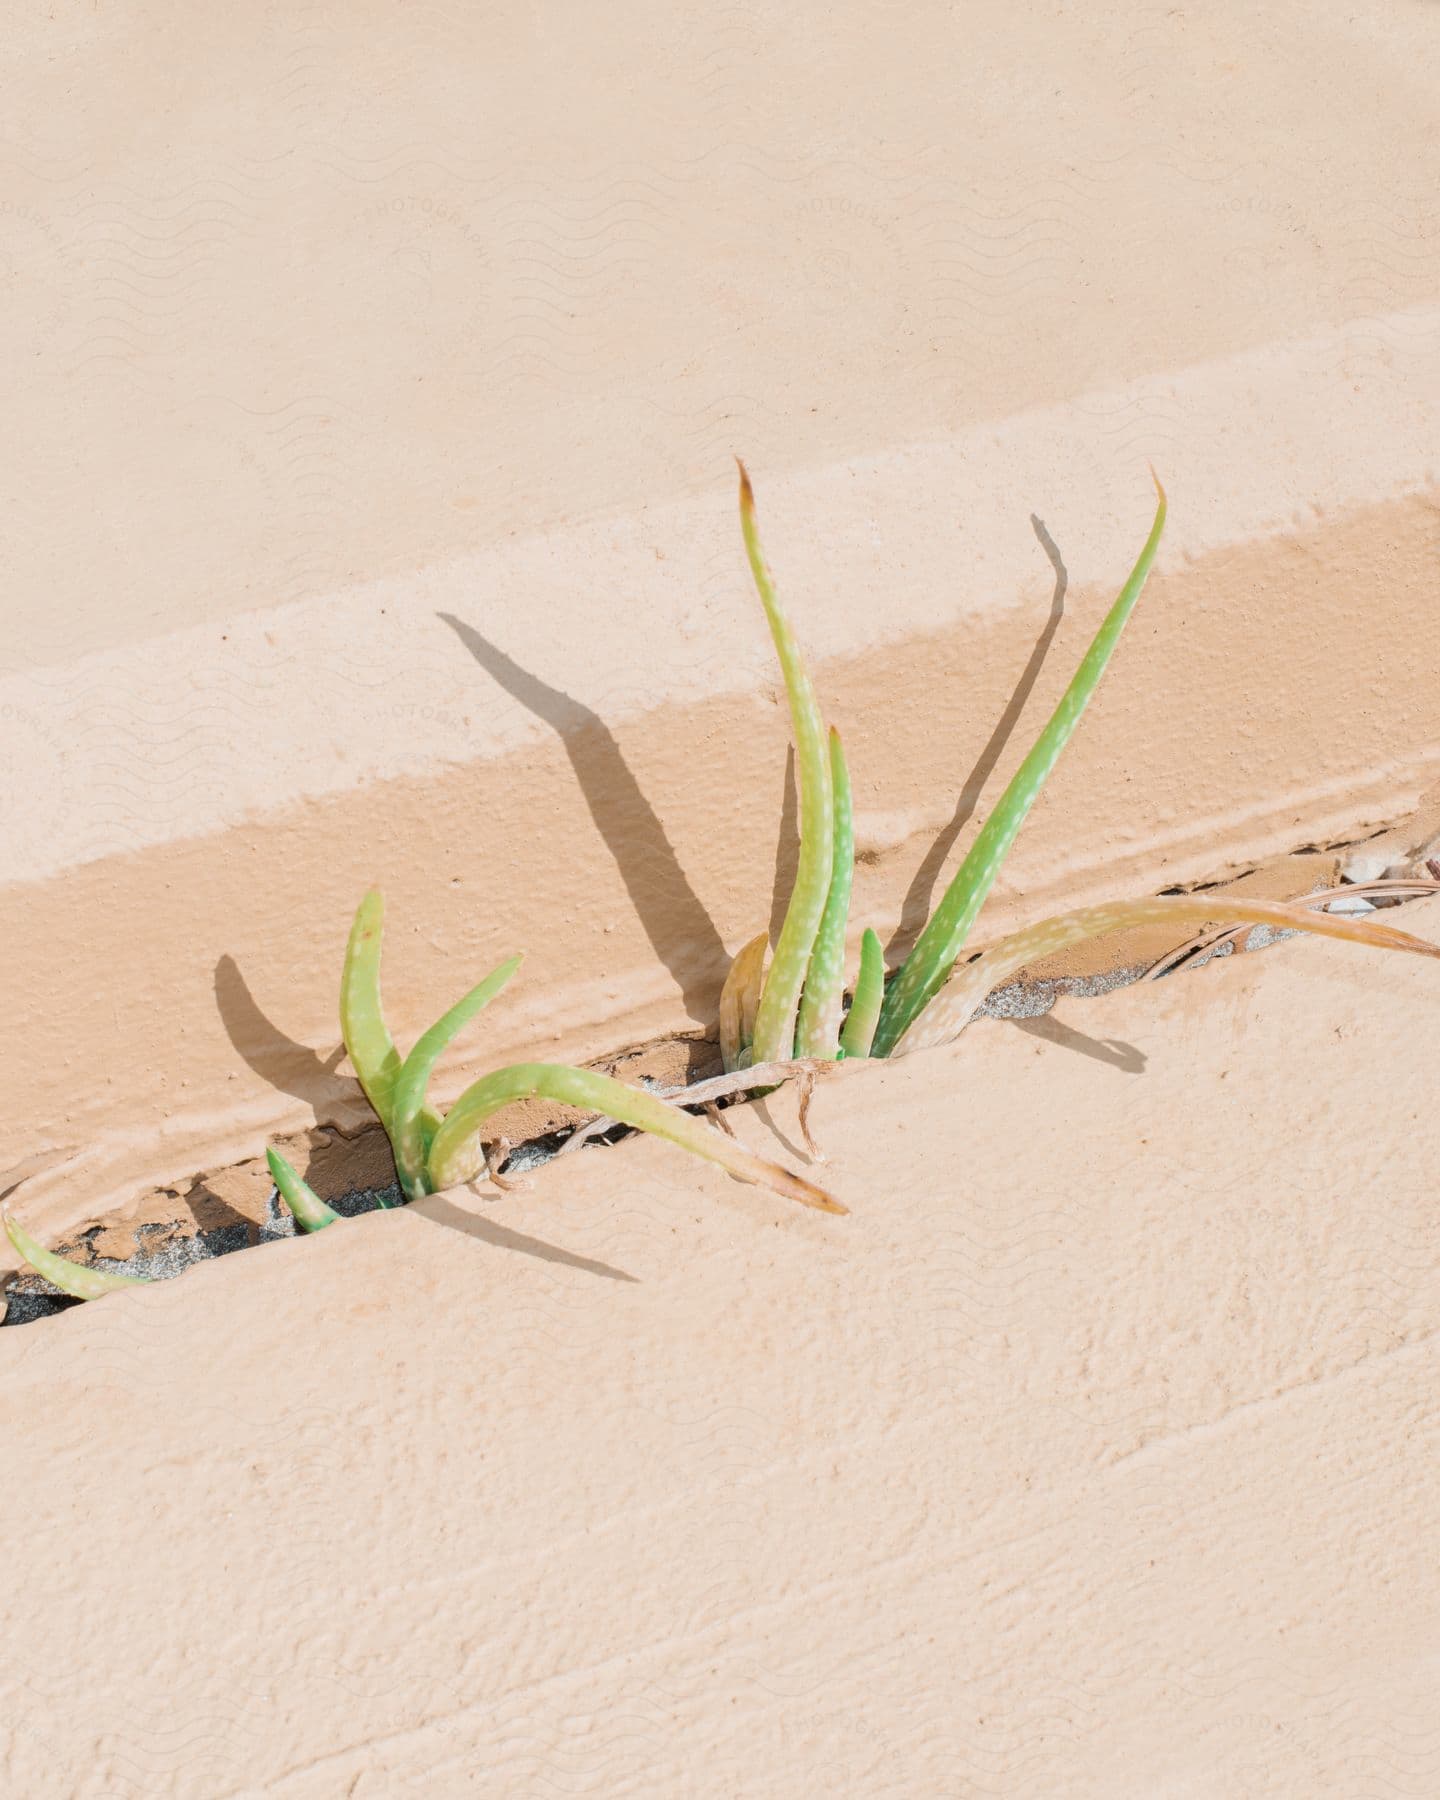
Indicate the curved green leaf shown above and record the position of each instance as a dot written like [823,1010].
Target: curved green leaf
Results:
[371,1049]
[75,1279]
[407,1136]
[455,1155]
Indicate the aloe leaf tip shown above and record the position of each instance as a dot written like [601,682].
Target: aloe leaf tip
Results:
[306,1207]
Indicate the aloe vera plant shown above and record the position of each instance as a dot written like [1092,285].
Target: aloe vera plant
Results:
[784,1015]
[927,1001]
[431,1153]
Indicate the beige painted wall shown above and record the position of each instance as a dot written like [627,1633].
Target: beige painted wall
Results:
[324,324]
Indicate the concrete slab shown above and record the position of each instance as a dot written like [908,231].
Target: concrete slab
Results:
[1092,1453]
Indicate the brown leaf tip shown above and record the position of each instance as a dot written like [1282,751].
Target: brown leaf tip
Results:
[808,1194]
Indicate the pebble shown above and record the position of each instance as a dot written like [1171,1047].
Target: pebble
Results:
[1360,869]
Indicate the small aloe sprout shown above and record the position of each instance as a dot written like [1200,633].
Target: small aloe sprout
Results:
[960,999]
[431,1155]
[859,1029]
[395,1087]
[76,1279]
[309,1210]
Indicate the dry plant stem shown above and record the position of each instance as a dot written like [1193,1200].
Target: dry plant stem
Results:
[957,1003]
[775,1021]
[740,1000]
[930,962]
[496,1155]
[455,1155]
[717,1118]
[704,1093]
[817,1030]
[805,1090]
[1212,940]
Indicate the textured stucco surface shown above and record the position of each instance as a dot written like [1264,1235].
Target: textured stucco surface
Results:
[1096,1452]
[322,324]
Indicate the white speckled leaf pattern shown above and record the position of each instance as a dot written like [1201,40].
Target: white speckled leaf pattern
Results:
[860,1022]
[817,1031]
[952,1009]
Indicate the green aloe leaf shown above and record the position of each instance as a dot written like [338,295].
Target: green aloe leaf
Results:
[775,1021]
[372,1050]
[740,1001]
[75,1279]
[860,1021]
[817,1031]
[310,1211]
[407,1135]
[455,1155]
[362,1020]
[957,1003]
[938,945]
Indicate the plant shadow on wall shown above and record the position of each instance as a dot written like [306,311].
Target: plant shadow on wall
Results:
[915,907]
[781,1016]
[505,1237]
[292,1067]
[681,932]
[1114,1052]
